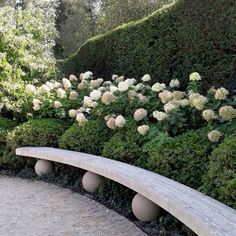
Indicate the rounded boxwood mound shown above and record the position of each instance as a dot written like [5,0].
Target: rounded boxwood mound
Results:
[125,145]
[89,138]
[191,35]
[5,126]
[183,158]
[43,132]
[220,179]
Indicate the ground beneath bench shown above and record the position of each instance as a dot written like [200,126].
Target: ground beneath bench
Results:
[35,208]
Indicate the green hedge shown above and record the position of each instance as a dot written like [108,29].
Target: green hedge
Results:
[43,132]
[191,35]
[89,138]
[5,126]
[183,158]
[220,180]
[125,145]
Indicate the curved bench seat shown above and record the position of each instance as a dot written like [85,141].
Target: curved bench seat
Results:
[202,214]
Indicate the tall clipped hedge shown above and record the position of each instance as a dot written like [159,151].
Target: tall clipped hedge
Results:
[191,35]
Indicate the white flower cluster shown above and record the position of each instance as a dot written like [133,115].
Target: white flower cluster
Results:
[111,100]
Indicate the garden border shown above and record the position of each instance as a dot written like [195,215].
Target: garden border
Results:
[202,214]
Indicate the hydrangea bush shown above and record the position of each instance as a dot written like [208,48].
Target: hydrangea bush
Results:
[27,38]
[121,101]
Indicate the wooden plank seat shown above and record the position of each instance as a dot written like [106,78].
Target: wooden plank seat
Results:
[202,214]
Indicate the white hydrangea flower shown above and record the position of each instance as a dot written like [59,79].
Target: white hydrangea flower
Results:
[72,113]
[57,85]
[114,77]
[159,115]
[83,84]
[146,78]
[94,104]
[43,89]
[107,84]
[221,93]
[174,83]
[120,121]
[140,114]
[73,95]
[157,87]
[132,95]
[208,115]
[142,98]
[30,88]
[73,78]
[228,113]
[199,102]
[143,129]
[57,104]
[95,95]
[111,123]
[102,89]
[61,93]
[66,83]
[36,102]
[87,102]
[130,82]
[178,95]
[170,106]
[165,96]
[36,107]
[81,119]
[212,90]
[95,83]
[139,87]
[214,136]
[50,85]
[113,88]
[184,102]
[123,86]
[80,110]
[107,117]
[108,98]
[87,75]
[120,79]
[88,110]
[194,76]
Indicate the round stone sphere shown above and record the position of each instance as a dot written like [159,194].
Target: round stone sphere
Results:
[91,181]
[43,167]
[144,209]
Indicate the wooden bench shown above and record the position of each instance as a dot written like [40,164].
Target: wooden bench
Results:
[202,214]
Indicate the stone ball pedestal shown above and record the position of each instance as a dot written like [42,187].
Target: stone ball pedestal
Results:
[91,181]
[43,167]
[144,209]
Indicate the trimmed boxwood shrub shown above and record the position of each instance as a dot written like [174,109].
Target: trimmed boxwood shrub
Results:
[220,179]
[5,126]
[89,138]
[183,158]
[43,132]
[191,35]
[125,145]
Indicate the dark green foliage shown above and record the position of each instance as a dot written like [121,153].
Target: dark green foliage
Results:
[89,138]
[125,145]
[220,180]
[192,35]
[5,126]
[43,132]
[183,158]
